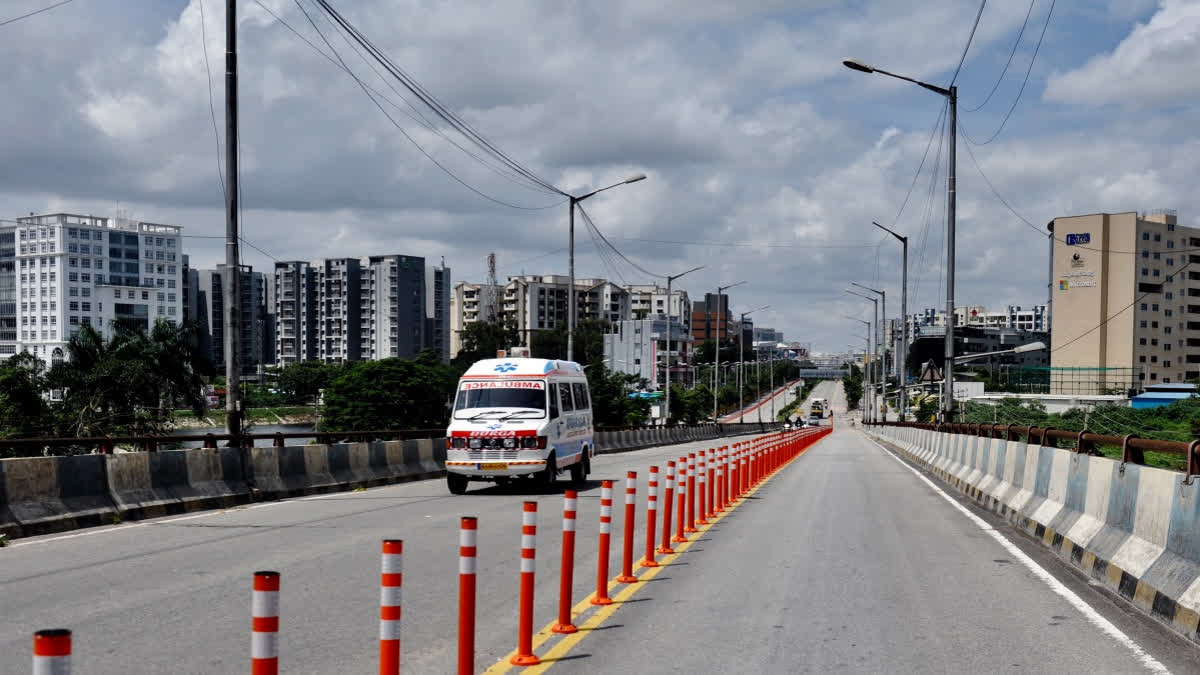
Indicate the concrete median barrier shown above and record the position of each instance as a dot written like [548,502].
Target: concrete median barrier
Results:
[9,527]
[55,494]
[1132,528]
[139,483]
[215,479]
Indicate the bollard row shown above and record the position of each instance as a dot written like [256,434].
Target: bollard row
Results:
[699,487]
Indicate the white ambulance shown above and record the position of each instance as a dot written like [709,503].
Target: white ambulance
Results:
[519,417]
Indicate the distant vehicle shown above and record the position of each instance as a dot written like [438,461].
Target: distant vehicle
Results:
[787,426]
[817,410]
[519,417]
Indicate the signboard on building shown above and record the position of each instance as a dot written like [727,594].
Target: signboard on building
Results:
[1078,239]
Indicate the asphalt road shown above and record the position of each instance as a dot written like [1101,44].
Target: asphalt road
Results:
[847,562]
[752,413]
[844,562]
[173,595]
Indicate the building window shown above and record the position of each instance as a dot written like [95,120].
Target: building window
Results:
[170,283]
[170,269]
[1156,272]
[158,241]
[1170,228]
[1170,295]
[1141,341]
[1145,271]
[1157,237]
[171,310]
[1145,236]
[170,243]
[1167,312]
[149,241]
[1145,254]
[1154,324]
[146,296]
[162,297]
[1154,342]
[1143,324]
[1167,330]
[73,292]
[85,292]
[87,306]
[1170,262]
[73,262]
[1157,255]
[1142,359]
[1154,376]
[149,268]
[1144,305]
[1170,244]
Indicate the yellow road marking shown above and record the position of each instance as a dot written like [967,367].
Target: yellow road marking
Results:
[569,640]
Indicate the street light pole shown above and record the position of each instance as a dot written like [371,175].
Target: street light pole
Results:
[872,338]
[742,360]
[717,356]
[903,355]
[880,332]
[233,269]
[670,328]
[951,95]
[571,309]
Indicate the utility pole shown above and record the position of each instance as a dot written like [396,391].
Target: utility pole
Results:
[670,329]
[717,357]
[233,269]
[951,191]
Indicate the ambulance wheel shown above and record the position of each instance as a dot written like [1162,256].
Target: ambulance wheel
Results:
[457,483]
[550,474]
[580,470]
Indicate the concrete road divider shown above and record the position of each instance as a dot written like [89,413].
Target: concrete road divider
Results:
[1132,528]
[9,527]
[55,494]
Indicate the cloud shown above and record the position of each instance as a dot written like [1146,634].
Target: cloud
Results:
[1154,65]
[751,132]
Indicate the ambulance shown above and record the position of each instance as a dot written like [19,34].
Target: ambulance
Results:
[519,417]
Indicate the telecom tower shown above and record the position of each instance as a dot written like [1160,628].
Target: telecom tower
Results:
[490,299]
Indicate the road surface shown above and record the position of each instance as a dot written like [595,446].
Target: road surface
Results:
[754,412]
[846,561]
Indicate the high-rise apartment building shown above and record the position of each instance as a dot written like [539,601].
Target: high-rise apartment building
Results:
[711,318]
[640,347]
[531,303]
[206,306]
[351,309]
[69,270]
[1126,298]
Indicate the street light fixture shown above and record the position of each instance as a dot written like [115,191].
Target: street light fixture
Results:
[742,359]
[951,95]
[571,301]
[717,353]
[671,315]
[866,369]
[879,333]
[902,363]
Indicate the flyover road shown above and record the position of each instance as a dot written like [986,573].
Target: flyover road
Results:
[753,410]
[845,561]
[173,595]
[849,562]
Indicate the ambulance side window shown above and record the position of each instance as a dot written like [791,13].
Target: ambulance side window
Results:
[553,401]
[581,395]
[564,397]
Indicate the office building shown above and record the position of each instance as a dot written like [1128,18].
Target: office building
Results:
[1126,303]
[647,301]
[711,318]
[764,334]
[639,347]
[351,309]
[63,271]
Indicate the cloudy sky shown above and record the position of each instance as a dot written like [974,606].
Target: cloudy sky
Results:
[767,159]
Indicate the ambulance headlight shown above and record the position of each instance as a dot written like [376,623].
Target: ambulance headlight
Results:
[510,442]
[476,443]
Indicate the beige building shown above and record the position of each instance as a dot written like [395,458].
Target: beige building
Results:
[1126,305]
[536,302]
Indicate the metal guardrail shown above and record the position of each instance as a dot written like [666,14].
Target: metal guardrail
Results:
[1133,448]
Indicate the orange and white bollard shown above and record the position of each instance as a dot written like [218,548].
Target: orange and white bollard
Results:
[601,595]
[745,471]
[651,516]
[264,624]
[690,523]
[467,537]
[701,489]
[681,497]
[525,655]
[567,575]
[711,506]
[52,652]
[733,475]
[668,503]
[391,582]
[626,576]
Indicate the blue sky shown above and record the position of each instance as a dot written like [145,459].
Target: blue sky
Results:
[741,114]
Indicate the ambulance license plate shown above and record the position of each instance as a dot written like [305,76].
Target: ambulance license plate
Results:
[493,466]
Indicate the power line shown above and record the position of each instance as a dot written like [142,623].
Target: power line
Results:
[399,128]
[745,245]
[588,219]
[1028,70]
[212,110]
[33,13]
[970,38]
[1011,54]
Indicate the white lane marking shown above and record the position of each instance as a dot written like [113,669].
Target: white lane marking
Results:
[1150,663]
[125,527]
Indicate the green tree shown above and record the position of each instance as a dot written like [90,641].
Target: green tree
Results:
[129,383]
[482,339]
[589,342]
[853,384]
[299,383]
[389,394]
[24,412]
